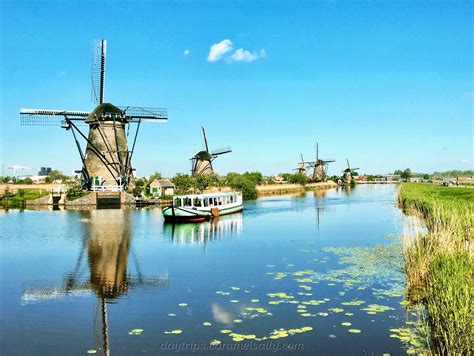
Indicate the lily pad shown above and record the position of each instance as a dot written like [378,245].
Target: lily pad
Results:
[354,331]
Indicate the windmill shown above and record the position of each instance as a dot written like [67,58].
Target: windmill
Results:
[319,167]
[302,166]
[107,159]
[201,162]
[347,175]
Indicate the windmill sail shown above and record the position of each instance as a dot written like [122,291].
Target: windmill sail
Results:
[99,49]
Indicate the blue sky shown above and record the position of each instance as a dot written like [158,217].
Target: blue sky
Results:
[386,84]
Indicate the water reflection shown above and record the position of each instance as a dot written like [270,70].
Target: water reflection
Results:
[107,243]
[223,227]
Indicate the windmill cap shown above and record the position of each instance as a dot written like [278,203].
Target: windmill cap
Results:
[102,110]
[203,155]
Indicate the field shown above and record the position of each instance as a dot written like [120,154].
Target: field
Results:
[439,263]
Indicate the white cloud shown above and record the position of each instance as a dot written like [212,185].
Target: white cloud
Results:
[242,55]
[186,52]
[219,49]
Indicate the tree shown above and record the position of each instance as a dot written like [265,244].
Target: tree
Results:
[55,175]
[204,181]
[26,181]
[156,175]
[405,174]
[183,183]
[139,188]
[255,177]
[295,178]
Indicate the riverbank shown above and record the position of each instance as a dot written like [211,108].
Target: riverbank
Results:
[281,189]
[439,262]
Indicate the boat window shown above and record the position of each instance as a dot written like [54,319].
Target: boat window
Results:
[197,202]
[214,201]
[206,201]
[177,202]
[187,202]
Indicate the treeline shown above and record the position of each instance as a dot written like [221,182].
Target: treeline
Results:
[50,178]
[407,173]
[244,182]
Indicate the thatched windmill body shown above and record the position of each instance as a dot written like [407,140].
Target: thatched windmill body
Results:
[201,162]
[347,174]
[106,161]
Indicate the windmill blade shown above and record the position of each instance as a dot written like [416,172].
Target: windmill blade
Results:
[206,146]
[149,114]
[348,166]
[328,160]
[221,151]
[98,71]
[39,117]
[354,169]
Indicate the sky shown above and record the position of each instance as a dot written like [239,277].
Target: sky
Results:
[386,84]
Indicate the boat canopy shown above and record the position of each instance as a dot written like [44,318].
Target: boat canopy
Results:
[207,200]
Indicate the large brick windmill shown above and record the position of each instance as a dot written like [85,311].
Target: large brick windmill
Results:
[107,160]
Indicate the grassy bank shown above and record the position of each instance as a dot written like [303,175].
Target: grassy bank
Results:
[439,263]
[19,199]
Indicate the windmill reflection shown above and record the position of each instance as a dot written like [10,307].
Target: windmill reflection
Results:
[221,228]
[107,245]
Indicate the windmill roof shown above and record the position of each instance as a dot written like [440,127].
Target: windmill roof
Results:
[103,109]
[203,155]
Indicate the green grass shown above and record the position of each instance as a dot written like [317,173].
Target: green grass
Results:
[439,263]
[23,195]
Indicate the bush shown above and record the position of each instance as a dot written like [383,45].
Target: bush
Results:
[26,181]
[183,183]
[139,188]
[204,181]
[295,178]
[243,183]
[74,190]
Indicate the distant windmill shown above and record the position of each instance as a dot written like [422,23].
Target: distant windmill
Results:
[202,161]
[347,174]
[16,169]
[302,166]
[320,166]
[106,162]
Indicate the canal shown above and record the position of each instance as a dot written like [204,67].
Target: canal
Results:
[314,274]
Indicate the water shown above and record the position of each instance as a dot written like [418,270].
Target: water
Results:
[78,281]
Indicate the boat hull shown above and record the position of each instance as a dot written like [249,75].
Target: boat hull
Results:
[183,215]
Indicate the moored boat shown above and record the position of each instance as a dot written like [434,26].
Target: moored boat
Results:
[201,207]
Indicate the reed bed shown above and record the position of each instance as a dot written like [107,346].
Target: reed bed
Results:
[439,262]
